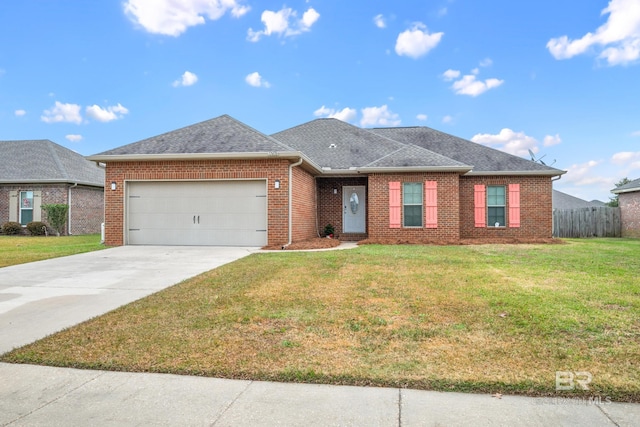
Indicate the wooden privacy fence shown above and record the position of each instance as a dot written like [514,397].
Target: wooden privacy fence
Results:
[587,222]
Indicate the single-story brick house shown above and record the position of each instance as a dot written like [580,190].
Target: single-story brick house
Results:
[220,182]
[629,202]
[38,172]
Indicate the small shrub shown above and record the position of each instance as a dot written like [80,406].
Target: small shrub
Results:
[11,228]
[328,230]
[36,228]
[57,215]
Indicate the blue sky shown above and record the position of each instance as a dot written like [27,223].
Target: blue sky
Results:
[558,78]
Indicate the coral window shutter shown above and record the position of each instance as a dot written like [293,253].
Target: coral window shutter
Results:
[431,204]
[480,203]
[514,205]
[394,205]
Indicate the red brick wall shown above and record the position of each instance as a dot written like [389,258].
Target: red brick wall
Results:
[536,215]
[270,169]
[330,205]
[303,205]
[87,208]
[448,215]
[630,213]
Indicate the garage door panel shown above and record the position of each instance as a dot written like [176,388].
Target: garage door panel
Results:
[228,213]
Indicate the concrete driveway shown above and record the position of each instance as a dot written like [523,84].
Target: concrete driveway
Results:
[40,298]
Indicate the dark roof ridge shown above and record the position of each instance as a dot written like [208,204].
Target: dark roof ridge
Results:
[56,158]
[246,126]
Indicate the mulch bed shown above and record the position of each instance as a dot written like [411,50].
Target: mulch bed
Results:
[324,243]
[460,242]
[317,243]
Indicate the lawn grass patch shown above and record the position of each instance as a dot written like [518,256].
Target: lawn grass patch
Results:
[485,318]
[22,249]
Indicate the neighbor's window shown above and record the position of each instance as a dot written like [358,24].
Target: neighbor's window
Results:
[412,204]
[26,207]
[496,203]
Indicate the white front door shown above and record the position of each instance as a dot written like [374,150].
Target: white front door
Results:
[354,209]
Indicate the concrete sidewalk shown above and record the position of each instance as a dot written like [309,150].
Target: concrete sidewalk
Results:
[39,396]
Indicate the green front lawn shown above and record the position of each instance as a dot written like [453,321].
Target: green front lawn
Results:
[21,249]
[485,318]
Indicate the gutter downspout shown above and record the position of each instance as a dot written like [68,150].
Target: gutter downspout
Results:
[69,201]
[291,166]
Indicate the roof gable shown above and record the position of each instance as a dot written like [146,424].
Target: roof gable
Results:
[334,144]
[222,134]
[30,161]
[483,159]
[414,156]
[562,200]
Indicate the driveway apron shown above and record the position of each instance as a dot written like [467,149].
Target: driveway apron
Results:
[40,298]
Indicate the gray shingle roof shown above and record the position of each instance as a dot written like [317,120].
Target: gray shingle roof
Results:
[334,144]
[566,201]
[223,134]
[628,187]
[32,161]
[483,159]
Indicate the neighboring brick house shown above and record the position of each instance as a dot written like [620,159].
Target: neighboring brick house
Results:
[38,172]
[220,182]
[629,202]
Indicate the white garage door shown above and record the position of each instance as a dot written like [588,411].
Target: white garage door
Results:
[197,213]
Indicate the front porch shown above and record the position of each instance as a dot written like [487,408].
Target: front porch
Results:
[343,203]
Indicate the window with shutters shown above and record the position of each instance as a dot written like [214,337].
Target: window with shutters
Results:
[26,207]
[412,204]
[496,206]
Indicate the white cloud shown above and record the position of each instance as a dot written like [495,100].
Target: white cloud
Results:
[187,79]
[507,140]
[487,62]
[380,21]
[450,75]
[583,174]
[442,12]
[469,84]
[421,117]
[447,119]
[284,23]
[173,17]
[619,37]
[255,79]
[106,114]
[346,114]
[74,137]
[628,160]
[636,133]
[20,113]
[416,41]
[66,113]
[379,116]
[550,140]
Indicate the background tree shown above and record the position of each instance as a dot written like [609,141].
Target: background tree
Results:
[613,201]
[56,216]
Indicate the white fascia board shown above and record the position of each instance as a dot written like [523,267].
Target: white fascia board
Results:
[516,173]
[287,155]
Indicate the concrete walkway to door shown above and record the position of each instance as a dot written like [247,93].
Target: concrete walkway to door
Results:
[40,298]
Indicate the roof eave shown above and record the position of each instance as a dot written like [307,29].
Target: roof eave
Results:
[626,190]
[51,181]
[555,172]
[406,169]
[260,155]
